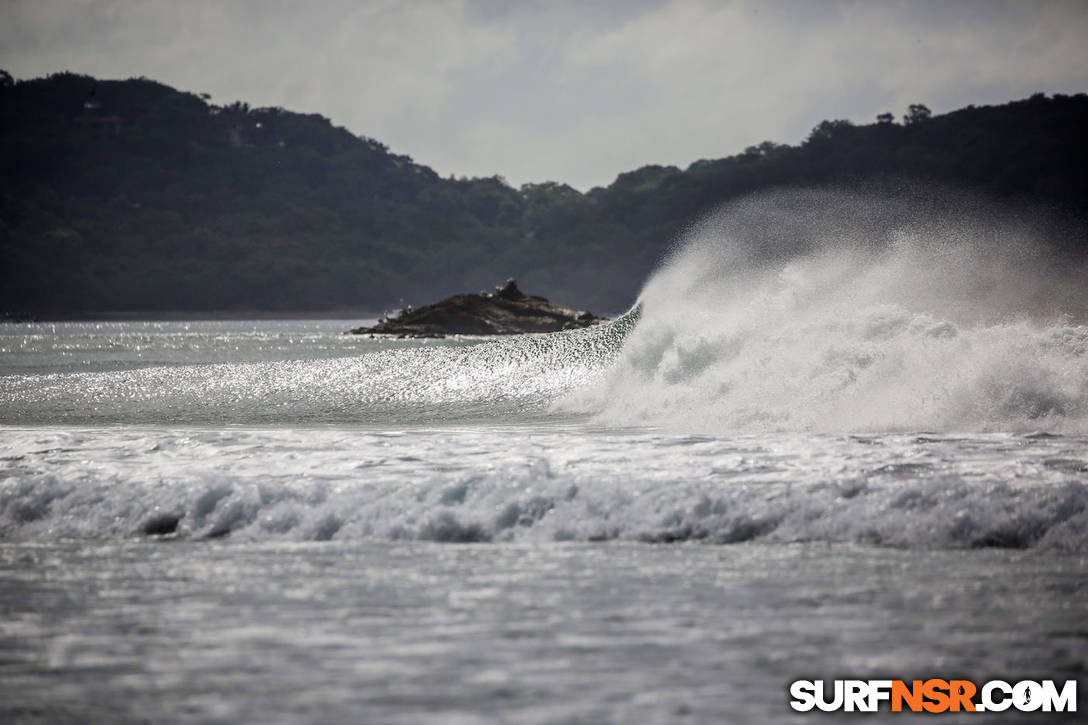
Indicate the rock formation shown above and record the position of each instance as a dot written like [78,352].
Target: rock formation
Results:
[508,311]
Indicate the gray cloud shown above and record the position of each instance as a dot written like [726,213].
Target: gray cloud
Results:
[572,91]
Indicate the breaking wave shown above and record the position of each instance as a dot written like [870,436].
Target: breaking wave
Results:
[803,311]
[544,484]
[832,312]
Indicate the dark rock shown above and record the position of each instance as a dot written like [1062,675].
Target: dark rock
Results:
[508,311]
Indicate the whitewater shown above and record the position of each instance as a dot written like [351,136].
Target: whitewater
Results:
[837,434]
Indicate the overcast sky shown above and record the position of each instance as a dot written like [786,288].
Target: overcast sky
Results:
[567,91]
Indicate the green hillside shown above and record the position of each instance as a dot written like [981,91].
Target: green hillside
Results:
[131,195]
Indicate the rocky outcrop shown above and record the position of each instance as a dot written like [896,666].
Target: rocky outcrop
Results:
[508,311]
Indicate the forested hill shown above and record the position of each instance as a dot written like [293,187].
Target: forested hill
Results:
[131,195]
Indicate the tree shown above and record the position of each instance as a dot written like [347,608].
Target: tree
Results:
[767,148]
[6,81]
[885,118]
[826,130]
[916,113]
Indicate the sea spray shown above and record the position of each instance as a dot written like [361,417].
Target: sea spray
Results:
[830,311]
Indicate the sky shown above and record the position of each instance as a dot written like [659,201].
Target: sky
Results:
[575,92]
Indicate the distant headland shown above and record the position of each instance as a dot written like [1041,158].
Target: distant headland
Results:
[122,195]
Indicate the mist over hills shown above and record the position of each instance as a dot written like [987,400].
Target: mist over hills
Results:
[131,195]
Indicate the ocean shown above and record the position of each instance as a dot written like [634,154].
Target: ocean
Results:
[852,461]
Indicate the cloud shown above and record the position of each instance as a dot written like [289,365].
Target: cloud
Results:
[570,91]
[716,77]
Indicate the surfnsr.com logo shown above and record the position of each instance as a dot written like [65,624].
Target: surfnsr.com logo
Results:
[933,696]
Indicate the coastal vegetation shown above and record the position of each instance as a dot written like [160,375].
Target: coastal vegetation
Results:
[131,195]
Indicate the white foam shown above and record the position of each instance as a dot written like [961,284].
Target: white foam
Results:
[543,483]
[836,312]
